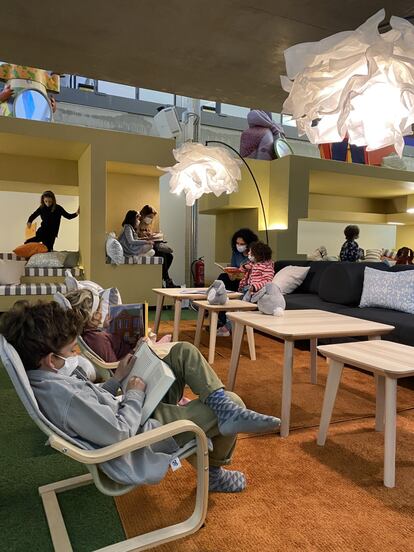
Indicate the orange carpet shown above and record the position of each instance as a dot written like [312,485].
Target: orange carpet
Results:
[300,497]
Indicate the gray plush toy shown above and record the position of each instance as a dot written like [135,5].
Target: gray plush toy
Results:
[270,300]
[216,293]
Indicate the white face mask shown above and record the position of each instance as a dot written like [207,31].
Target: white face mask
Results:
[241,248]
[251,258]
[71,363]
[147,220]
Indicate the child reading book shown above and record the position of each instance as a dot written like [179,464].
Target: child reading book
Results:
[162,249]
[111,347]
[44,335]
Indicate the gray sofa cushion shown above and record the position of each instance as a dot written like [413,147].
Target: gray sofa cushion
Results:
[342,282]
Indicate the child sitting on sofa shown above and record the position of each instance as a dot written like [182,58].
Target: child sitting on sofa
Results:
[258,271]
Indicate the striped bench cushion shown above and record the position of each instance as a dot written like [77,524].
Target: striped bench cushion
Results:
[11,257]
[52,271]
[32,289]
[141,260]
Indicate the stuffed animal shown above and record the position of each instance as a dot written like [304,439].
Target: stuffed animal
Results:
[257,142]
[216,293]
[269,300]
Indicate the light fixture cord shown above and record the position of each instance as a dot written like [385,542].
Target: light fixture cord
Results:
[252,175]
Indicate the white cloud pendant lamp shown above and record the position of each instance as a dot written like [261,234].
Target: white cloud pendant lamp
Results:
[357,83]
[202,170]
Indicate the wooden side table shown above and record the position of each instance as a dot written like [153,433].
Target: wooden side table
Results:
[179,295]
[213,310]
[388,361]
[291,326]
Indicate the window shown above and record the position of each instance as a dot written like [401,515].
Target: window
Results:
[234,110]
[115,89]
[207,105]
[155,96]
[288,121]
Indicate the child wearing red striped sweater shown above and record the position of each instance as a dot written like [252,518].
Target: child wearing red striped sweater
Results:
[259,271]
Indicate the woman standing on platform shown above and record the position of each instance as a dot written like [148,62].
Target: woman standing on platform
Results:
[50,213]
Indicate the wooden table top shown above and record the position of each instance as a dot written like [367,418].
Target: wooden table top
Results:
[183,293]
[232,304]
[386,357]
[309,323]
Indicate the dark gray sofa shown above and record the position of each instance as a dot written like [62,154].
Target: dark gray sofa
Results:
[337,287]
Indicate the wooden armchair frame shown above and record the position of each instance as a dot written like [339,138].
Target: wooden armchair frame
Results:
[92,458]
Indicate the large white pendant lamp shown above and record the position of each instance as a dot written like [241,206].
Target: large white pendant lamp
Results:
[358,84]
[203,170]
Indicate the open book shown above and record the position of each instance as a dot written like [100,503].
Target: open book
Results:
[156,374]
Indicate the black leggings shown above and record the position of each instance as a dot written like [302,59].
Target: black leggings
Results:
[48,241]
[167,261]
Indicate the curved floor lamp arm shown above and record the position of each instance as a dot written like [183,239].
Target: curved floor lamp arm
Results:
[253,177]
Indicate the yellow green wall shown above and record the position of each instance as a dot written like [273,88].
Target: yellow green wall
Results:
[129,191]
[75,156]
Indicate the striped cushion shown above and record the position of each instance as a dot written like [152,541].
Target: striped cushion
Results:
[52,271]
[11,257]
[140,259]
[373,255]
[32,289]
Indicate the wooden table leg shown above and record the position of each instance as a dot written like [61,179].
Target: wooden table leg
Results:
[314,360]
[379,402]
[213,334]
[250,342]
[238,330]
[331,389]
[286,388]
[158,311]
[390,431]
[177,317]
[200,320]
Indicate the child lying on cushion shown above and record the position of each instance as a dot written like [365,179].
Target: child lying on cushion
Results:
[44,335]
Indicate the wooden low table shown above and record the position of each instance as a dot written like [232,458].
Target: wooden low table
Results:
[179,295]
[213,310]
[388,361]
[292,326]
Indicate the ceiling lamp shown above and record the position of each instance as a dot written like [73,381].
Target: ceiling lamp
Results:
[358,84]
[203,170]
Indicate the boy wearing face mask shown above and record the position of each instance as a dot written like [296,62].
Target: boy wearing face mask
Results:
[162,249]
[258,271]
[44,336]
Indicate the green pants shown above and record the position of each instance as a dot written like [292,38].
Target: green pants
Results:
[190,368]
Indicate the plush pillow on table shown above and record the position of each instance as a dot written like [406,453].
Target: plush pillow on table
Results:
[290,277]
[11,272]
[28,249]
[114,249]
[54,259]
[388,290]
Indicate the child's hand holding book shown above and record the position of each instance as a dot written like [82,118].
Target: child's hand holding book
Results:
[136,384]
